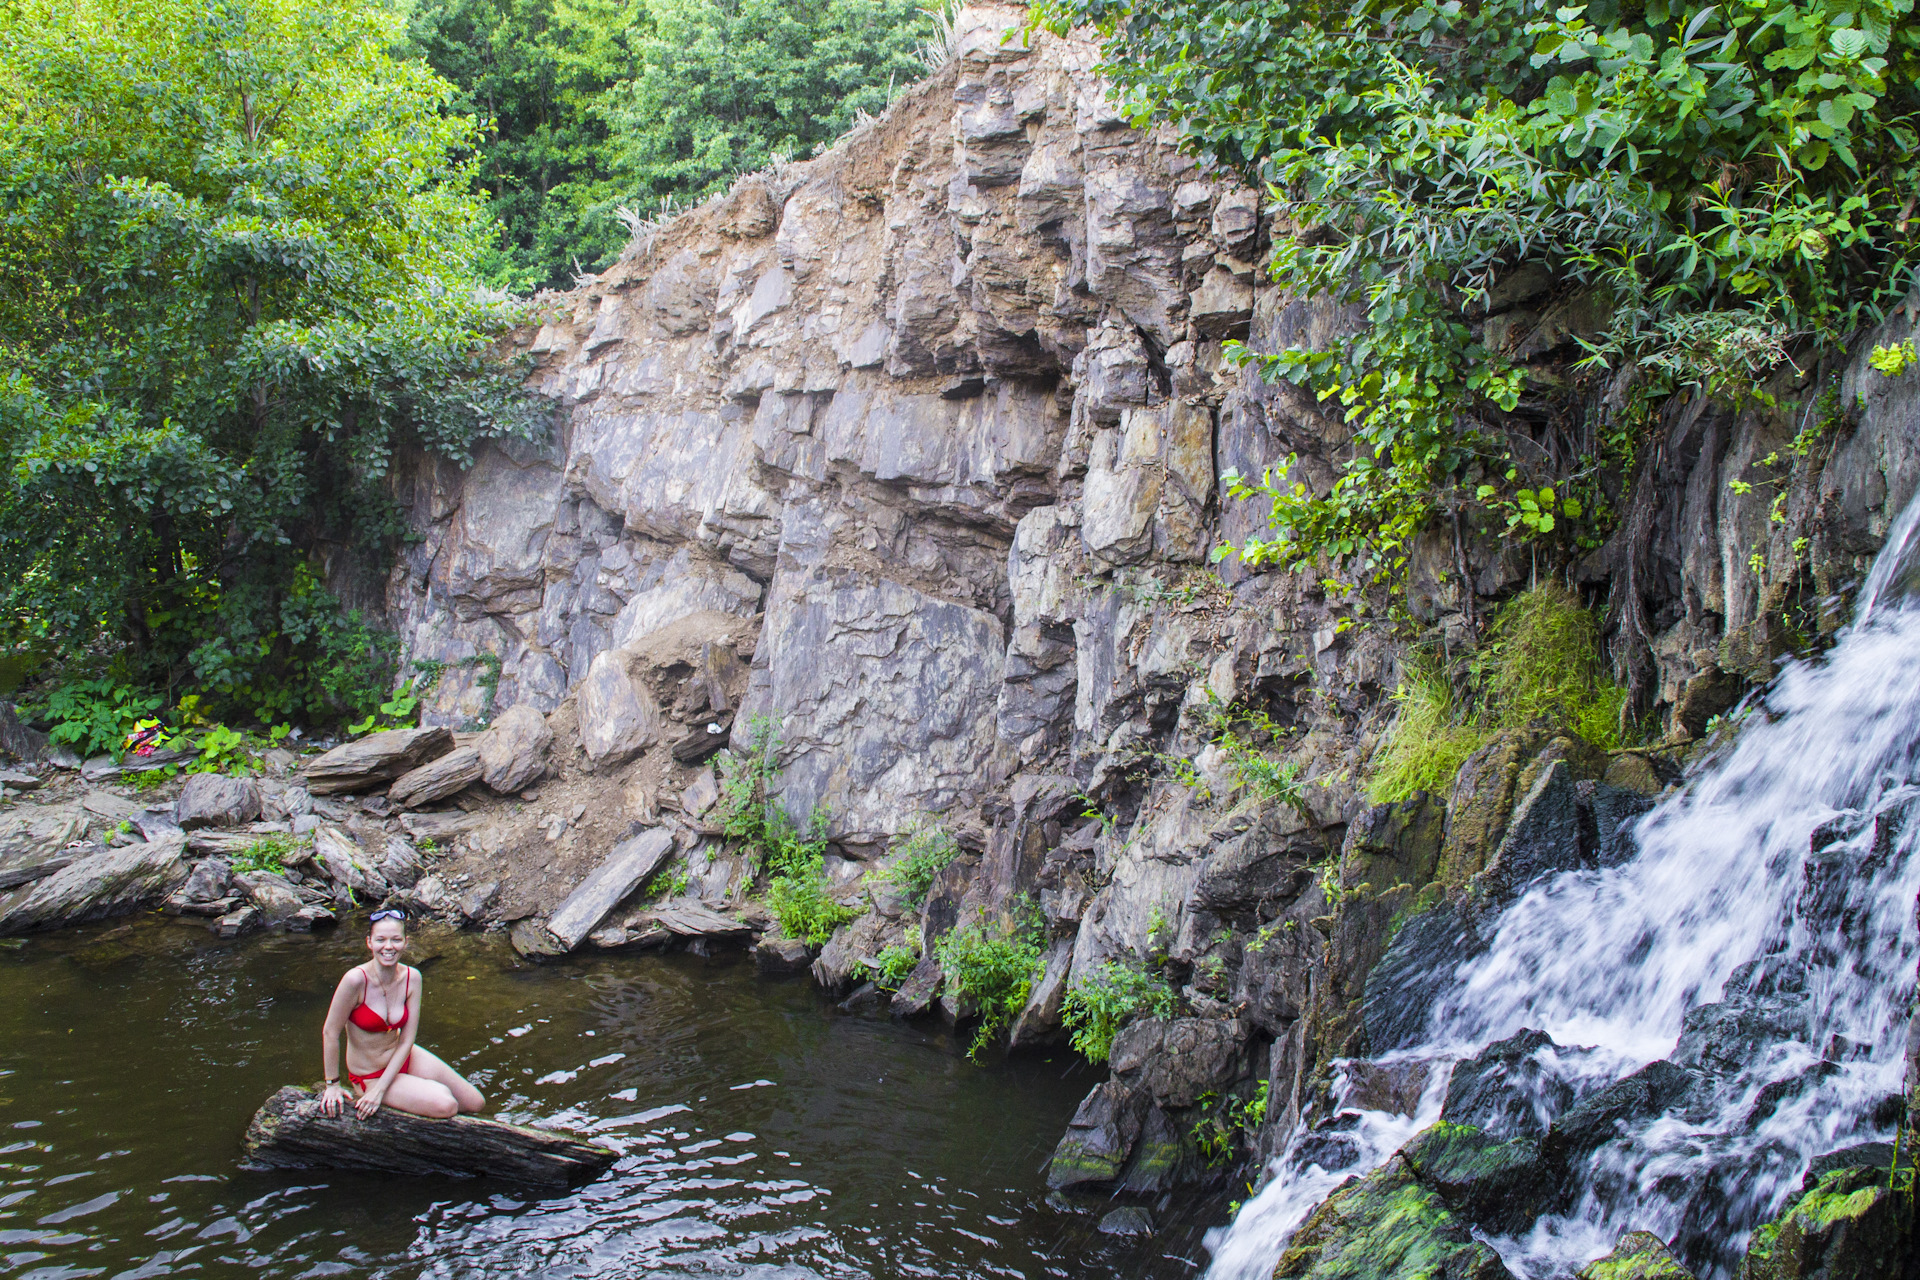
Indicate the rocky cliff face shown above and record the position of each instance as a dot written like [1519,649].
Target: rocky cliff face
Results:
[932,427]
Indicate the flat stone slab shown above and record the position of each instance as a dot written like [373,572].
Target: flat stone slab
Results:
[691,919]
[374,759]
[455,771]
[99,885]
[291,1132]
[626,868]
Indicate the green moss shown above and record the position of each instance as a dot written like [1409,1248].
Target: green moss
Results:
[1542,658]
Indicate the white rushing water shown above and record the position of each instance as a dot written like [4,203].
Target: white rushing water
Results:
[1726,899]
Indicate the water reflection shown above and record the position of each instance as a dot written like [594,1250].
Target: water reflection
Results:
[762,1133]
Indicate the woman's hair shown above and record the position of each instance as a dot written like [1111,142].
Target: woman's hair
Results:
[398,917]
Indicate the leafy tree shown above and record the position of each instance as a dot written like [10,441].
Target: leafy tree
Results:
[236,274]
[535,73]
[723,86]
[1723,183]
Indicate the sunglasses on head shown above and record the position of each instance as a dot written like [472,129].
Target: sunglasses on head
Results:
[388,914]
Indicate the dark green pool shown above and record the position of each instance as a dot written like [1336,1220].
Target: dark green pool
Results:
[766,1134]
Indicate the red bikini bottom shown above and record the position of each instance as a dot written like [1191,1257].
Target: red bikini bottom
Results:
[360,1082]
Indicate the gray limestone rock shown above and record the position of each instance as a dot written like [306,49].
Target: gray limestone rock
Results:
[513,750]
[628,865]
[273,895]
[103,884]
[618,716]
[451,773]
[215,800]
[400,865]
[348,865]
[33,843]
[375,759]
[209,881]
[1542,837]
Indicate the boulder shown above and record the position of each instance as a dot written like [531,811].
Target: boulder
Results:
[1638,1255]
[347,864]
[292,1132]
[274,895]
[16,740]
[33,844]
[1098,1140]
[1387,1224]
[235,923]
[1496,1184]
[1506,1090]
[400,865]
[14,780]
[286,804]
[618,716]
[1851,1226]
[215,800]
[104,884]
[453,772]
[208,882]
[375,759]
[513,751]
[782,955]
[155,822]
[626,867]
[700,795]
[1543,836]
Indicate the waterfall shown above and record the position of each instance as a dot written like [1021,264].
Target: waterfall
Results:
[1762,936]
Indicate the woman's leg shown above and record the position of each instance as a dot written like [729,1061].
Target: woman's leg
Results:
[426,1065]
[420,1097]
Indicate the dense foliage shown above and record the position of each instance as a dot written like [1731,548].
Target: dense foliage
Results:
[594,106]
[1715,186]
[992,963]
[1106,997]
[236,253]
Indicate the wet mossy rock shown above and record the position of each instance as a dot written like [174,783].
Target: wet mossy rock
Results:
[1498,1185]
[291,1132]
[1639,1255]
[1387,1226]
[1491,785]
[1851,1226]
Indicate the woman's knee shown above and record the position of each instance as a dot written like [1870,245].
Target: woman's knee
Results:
[442,1105]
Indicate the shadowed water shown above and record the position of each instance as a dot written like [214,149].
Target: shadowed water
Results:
[765,1134]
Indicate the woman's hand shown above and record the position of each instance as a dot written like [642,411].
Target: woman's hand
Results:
[369,1102]
[331,1097]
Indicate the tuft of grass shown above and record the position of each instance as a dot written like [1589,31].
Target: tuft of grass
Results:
[891,967]
[1542,658]
[268,853]
[1430,739]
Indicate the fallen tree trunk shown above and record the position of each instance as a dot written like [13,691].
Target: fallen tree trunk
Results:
[291,1132]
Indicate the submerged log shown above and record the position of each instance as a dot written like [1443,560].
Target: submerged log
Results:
[292,1132]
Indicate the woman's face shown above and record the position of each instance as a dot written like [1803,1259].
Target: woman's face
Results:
[387,941]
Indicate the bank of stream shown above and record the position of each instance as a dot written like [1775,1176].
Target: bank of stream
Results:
[764,1133]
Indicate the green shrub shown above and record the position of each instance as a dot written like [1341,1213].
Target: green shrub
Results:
[220,750]
[745,812]
[890,970]
[993,964]
[1106,998]
[1223,1120]
[1542,658]
[93,716]
[1266,776]
[799,901]
[924,854]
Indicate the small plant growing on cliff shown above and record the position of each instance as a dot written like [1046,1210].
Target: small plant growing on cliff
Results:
[1217,1131]
[993,964]
[927,851]
[1105,998]
[269,853]
[744,809]
[1893,360]
[1268,777]
[891,967]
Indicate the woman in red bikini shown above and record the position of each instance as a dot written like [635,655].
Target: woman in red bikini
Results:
[378,1006]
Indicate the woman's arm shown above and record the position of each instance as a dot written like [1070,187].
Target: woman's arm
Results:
[345,996]
[369,1102]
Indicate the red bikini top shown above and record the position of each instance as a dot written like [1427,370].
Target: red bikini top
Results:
[373,1021]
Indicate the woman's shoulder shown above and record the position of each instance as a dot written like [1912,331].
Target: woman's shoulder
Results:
[354,979]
